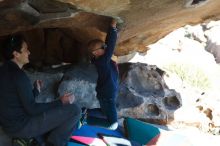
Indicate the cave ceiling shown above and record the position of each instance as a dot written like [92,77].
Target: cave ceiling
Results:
[145,21]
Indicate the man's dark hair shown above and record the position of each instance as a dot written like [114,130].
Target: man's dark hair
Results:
[11,44]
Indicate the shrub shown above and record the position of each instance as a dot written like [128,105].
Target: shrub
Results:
[190,74]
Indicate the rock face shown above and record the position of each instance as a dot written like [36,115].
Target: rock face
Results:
[50,85]
[144,21]
[144,95]
[142,92]
[81,81]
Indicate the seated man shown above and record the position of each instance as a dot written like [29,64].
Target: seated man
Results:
[20,115]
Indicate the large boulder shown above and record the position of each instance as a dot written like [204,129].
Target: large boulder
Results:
[142,92]
[81,81]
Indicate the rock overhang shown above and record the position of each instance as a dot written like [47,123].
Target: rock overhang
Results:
[145,22]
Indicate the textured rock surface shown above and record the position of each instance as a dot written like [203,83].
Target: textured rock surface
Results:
[142,92]
[145,21]
[190,57]
[50,85]
[81,81]
[144,95]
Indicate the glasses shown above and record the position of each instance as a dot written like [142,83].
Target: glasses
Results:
[104,46]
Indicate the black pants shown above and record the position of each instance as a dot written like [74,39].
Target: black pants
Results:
[108,107]
[58,123]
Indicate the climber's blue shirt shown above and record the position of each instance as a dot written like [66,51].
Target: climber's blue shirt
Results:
[107,83]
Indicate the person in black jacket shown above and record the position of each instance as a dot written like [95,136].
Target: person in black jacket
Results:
[107,83]
[20,115]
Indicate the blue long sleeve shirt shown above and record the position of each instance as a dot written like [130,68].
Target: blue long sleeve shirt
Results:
[107,82]
[17,99]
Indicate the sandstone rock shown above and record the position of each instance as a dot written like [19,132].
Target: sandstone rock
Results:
[142,93]
[145,21]
[144,28]
[126,99]
[9,3]
[15,19]
[49,6]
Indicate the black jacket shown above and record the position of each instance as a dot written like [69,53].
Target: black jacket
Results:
[17,98]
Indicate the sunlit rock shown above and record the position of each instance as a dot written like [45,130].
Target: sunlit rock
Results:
[145,22]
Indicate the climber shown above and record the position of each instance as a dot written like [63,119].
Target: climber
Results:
[107,83]
[20,116]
